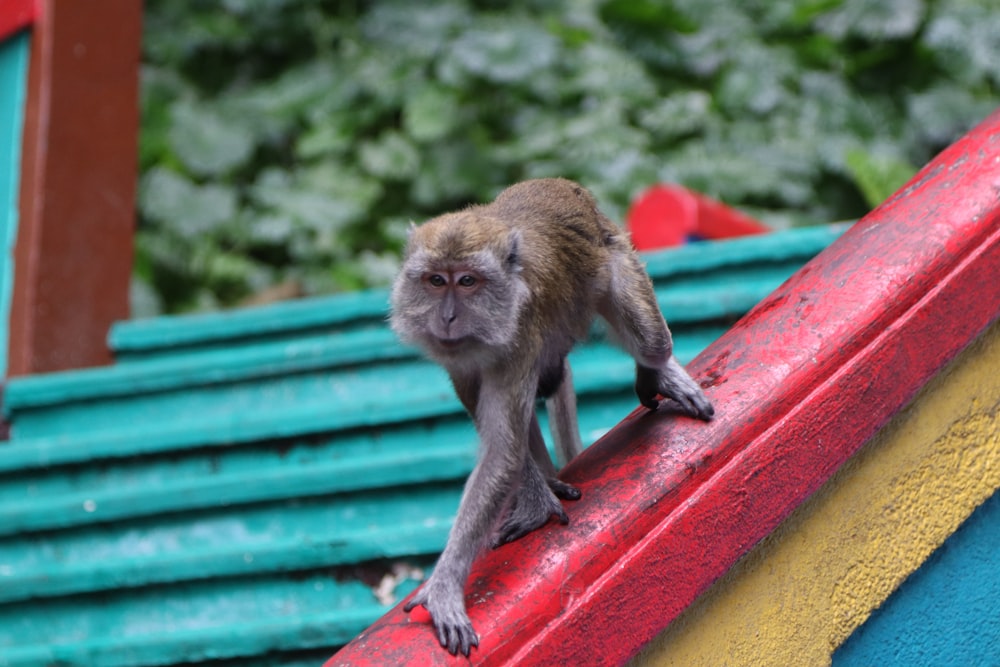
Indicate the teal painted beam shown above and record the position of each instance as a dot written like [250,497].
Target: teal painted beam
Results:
[207,368]
[13,89]
[250,324]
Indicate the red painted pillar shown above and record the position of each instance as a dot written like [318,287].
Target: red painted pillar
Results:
[799,384]
[73,253]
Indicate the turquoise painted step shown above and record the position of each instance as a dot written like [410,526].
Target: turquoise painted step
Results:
[393,457]
[263,539]
[185,623]
[715,297]
[433,451]
[279,407]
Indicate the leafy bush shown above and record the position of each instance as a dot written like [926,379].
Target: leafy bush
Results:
[294,140]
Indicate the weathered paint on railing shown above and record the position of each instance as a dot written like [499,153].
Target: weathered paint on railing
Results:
[893,508]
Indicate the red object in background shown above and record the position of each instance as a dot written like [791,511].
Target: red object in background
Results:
[669,215]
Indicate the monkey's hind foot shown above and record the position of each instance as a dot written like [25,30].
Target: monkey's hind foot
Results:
[528,514]
[447,610]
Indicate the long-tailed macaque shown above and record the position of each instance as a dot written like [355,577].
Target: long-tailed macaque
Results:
[498,294]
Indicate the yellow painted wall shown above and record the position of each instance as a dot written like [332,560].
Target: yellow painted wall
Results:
[801,592]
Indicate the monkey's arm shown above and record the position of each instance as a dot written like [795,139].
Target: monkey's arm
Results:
[672,381]
[502,420]
[631,309]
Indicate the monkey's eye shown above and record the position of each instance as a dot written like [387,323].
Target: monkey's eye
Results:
[437,280]
[467,281]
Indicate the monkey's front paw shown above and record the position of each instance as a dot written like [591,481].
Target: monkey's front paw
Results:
[673,382]
[447,610]
[691,399]
[563,490]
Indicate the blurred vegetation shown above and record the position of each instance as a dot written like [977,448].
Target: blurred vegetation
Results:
[292,141]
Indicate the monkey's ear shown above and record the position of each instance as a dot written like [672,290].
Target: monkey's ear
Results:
[514,250]
[408,246]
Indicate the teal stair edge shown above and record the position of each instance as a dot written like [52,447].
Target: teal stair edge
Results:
[435,452]
[275,537]
[308,404]
[246,617]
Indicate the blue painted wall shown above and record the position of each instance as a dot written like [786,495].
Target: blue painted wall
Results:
[13,75]
[947,613]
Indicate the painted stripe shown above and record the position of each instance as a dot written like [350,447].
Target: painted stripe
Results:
[959,583]
[805,589]
[13,77]
[800,383]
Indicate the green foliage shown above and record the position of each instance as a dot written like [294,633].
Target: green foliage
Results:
[877,176]
[294,140]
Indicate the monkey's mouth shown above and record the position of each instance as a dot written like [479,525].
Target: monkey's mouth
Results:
[452,343]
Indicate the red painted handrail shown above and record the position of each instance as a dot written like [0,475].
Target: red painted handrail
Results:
[799,384]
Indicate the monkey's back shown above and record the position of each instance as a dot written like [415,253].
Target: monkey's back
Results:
[565,249]
[555,206]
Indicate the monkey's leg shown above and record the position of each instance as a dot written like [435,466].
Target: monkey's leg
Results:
[502,421]
[563,423]
[534,500]
[630,308]
[536,444]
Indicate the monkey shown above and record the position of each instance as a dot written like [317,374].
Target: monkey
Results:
[498,294]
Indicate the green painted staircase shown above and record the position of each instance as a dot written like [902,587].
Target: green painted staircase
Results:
[242,487]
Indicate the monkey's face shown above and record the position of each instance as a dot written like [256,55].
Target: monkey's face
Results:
[459,292]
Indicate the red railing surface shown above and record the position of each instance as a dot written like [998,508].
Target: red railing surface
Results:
[799,384]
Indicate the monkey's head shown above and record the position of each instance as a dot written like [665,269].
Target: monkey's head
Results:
[459,291]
